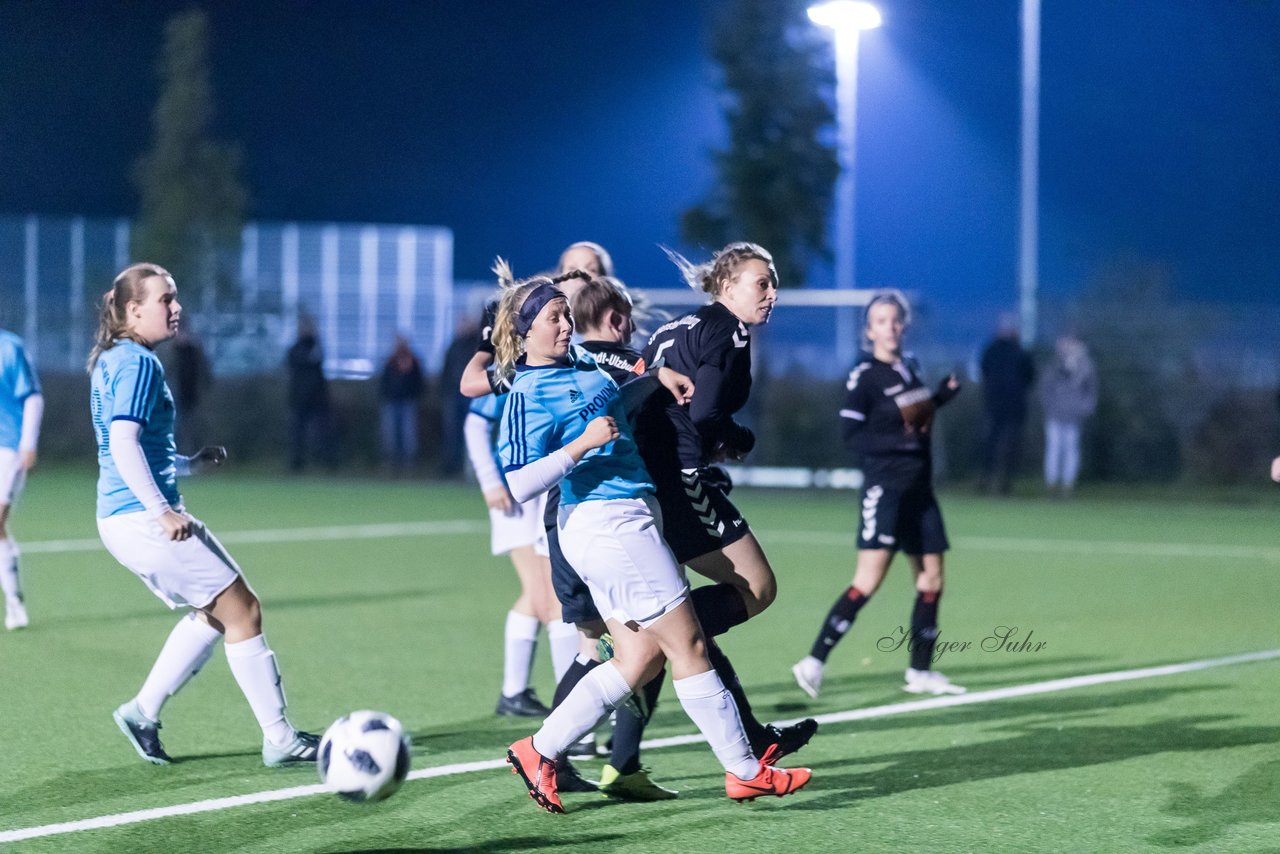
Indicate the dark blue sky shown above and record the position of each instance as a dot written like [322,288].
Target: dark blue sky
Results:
[526,125]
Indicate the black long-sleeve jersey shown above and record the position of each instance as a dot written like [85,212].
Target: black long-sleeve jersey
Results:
[712,348]
[887,417]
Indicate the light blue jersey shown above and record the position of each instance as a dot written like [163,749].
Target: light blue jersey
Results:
[549,407]
[17,382]
[128,383]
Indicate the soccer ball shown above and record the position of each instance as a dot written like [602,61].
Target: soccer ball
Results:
[364,756]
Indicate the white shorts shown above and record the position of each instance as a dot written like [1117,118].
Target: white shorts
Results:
[190,572]
[521,527]
[616,546]
[12,476]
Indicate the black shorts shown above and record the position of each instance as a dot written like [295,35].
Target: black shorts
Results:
[576,604]
[906,520]
[697,516]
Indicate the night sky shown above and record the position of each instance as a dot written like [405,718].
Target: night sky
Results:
[526,125]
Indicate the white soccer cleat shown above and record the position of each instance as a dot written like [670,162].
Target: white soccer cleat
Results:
[930,682]
[808,673]
[15,614]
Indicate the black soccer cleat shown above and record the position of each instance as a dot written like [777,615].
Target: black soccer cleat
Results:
[523,705]
[570,779]
[783,741]
[143,734]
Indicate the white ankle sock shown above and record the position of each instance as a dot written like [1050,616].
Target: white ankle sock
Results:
[599,692]
[519,641]
[710,706]
[563,639]
[189,646]
[254,666]
[9,581]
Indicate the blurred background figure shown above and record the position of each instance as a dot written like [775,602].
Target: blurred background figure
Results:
[192,378]
[1069,394]
[453,405]
[591,258]
[310,418]
[400,387]
[1007,375]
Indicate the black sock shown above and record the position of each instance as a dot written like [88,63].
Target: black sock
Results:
[924,629]
[724,669]
[572,677]
[719,607]
[628,730]
[839,621]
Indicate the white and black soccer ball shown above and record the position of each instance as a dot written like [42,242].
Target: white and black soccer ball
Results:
[364,756]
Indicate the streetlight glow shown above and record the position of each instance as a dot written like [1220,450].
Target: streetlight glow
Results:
[846,19]
[845,15]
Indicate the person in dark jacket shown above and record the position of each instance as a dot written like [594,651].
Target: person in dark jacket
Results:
[192,378]
[310,416]
[400,387]
[1007,376]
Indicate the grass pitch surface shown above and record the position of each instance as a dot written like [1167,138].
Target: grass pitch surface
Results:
[408,620]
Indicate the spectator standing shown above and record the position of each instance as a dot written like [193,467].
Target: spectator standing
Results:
[1007,375]
[192,376]
[310,416]
[1069,394]
[400,387]
[453,405]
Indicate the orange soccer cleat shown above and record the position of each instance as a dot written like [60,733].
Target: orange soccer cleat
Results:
[770,781]
[538,773]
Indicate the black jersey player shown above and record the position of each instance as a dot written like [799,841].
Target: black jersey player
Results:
[679,443]
[887,415]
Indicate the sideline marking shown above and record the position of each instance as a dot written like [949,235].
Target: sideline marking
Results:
[887,710]
[1048,546]
[296,535]
[815,538]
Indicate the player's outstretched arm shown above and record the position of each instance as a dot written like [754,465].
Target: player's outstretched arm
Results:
[1275,469]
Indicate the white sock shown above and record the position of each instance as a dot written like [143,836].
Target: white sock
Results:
[254,666]
[563,639]
[599,692]
[709,705]
[189,646]
[9,581]
[519,641]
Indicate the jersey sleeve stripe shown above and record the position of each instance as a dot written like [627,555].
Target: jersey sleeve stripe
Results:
[139,381]
[142,392]
[515,428]
[854,414]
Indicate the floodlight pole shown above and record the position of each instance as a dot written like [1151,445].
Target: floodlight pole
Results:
[846,19]
[1028,213]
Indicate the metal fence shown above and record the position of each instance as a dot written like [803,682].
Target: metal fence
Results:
[362,284]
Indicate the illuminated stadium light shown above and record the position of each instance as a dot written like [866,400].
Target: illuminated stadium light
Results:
[846,15]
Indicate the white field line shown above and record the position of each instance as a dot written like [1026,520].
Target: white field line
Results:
[296,535]
[1026,690]
[815,538]
[1040,545]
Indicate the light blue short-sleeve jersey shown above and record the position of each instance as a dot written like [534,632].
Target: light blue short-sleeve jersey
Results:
[549,407]
[18,381]
[128,383]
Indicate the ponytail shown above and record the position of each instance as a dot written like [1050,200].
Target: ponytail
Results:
[710,276]
[113,322]
[508,345]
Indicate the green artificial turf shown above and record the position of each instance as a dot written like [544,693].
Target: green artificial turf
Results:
[412,625]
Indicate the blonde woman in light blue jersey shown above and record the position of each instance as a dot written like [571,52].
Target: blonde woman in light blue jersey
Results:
[565,421]
[146,527]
